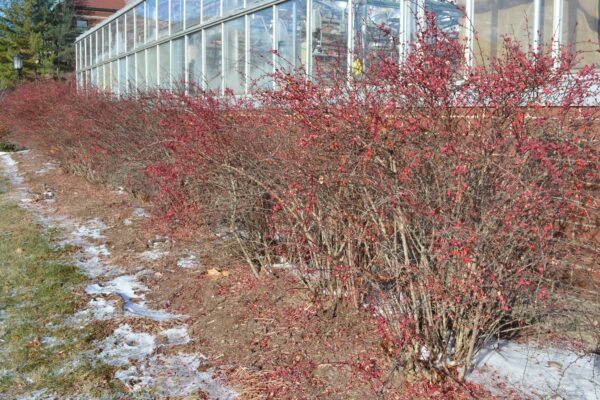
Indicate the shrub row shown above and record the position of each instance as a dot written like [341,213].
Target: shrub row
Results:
[441,197]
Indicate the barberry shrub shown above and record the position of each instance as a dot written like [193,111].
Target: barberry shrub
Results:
[93,134]
[443,197]
[443,194]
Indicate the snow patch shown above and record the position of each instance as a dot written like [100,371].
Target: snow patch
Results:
[10,167]
[47,167]
[175,375]
[153,255]
[125,345]
[140,213]
[140,310]
[102,309]
[284,265]
[49,341]
[92,229]
[128,288]
[188,261]
[125,286]
[537,372]
[176,336]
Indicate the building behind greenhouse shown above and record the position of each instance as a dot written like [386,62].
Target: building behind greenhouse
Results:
[235,44]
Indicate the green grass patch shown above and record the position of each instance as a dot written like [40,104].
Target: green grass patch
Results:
[38,292]
[8,147]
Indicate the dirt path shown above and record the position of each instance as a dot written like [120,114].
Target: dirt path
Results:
[149,347]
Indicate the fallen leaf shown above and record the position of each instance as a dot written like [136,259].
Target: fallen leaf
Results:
[213,273]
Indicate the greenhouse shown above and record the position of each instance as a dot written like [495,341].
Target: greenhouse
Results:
[234,44]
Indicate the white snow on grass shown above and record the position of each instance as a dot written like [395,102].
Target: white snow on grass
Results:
[102,309]
[175,375]
[126,286]
[153,255]
[125,345]
[140,213]
[47,167]
[140,310]
[92,229]
[10,168]
[537,372]
[131,291]
[188,261]
[176,336]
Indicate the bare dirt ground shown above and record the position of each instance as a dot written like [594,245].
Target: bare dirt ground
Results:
[266,338]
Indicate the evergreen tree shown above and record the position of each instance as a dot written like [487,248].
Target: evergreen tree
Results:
[42,33]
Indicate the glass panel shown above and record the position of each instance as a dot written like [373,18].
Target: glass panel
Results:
[86,49]
[101,77]
[113,39]
[212,54]
[210,9]
[94,79]
[232,5]
[140,24]
[114,72]
[90,52]
[178,64]
[77,59]
[291,34]
[546,32]
[448,15]
[192,12]
[129,30]
[106,43]
[581,28]
[176,16]
[83,53]
[151,20]
[107,76]
[163,18]
[234,46]
[93,47]
[330,37]
[194,57]
[495,19]
[164,71]
[377,29]
[122,76]
[141,70]
[260,64]
[99,46]
[151,68]
[121,34]
[131,74]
